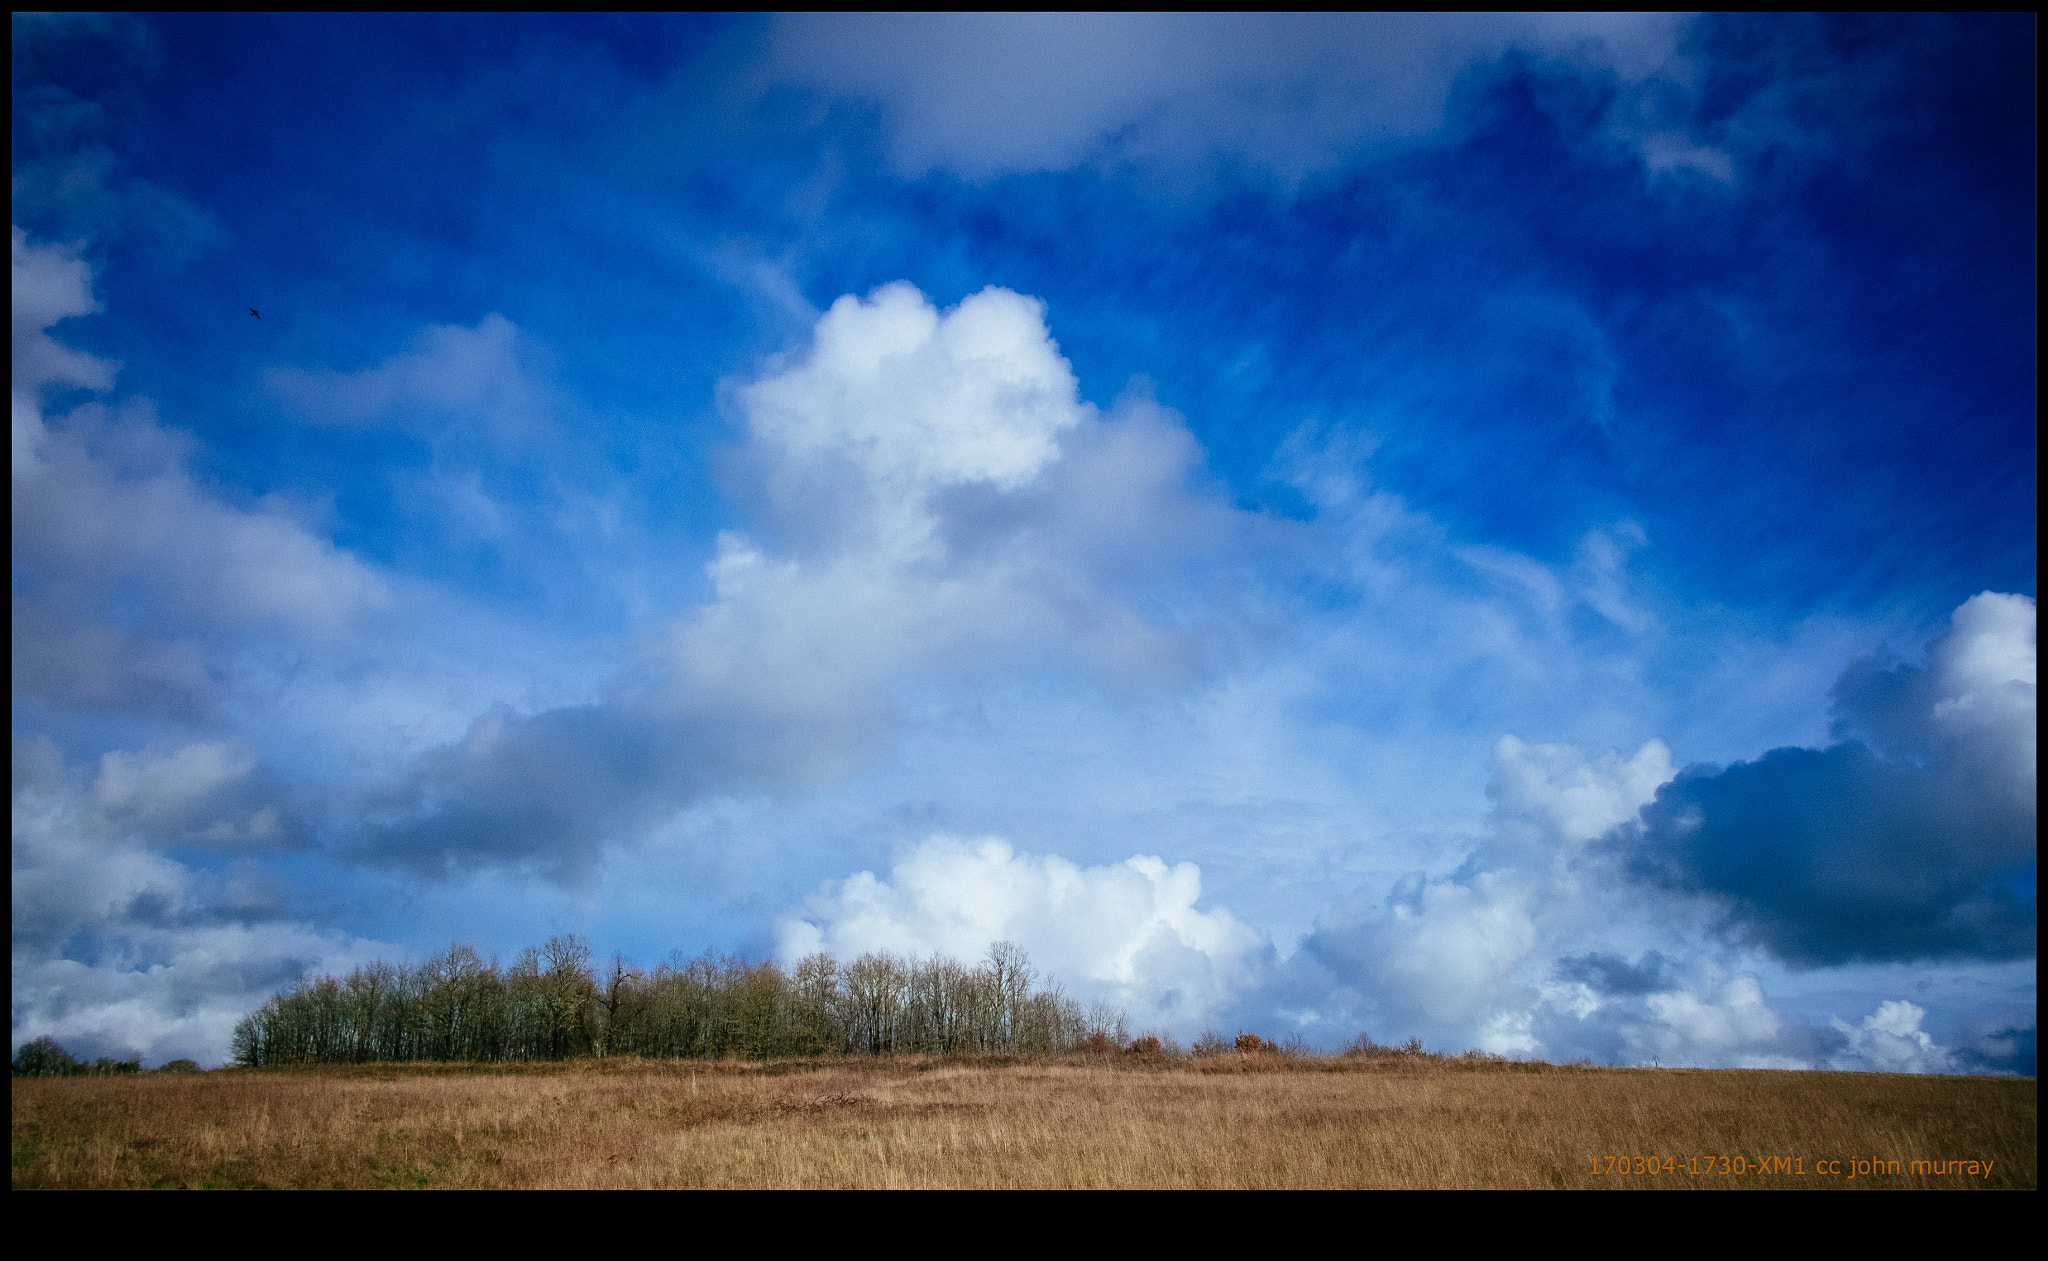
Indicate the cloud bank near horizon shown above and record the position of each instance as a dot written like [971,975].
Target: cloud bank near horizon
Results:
[1555,936]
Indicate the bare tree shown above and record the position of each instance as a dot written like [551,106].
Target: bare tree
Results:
[617,999]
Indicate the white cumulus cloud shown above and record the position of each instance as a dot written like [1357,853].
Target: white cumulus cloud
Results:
[932,504]
[1572,794]
[1128,933]
[920,400]
[1984,681]
[934,497]
[1890,1040]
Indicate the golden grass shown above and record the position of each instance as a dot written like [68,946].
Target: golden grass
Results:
[1235,1121]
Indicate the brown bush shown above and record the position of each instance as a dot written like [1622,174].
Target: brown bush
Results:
[1146,1045]
[1253,1044]
[1364,1048]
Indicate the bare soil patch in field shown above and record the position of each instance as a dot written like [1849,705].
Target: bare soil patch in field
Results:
[1230,1121]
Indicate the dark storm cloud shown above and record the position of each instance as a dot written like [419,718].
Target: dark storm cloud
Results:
[1920,847]
[1830,855]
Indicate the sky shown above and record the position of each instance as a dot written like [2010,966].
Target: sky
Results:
[1515,531]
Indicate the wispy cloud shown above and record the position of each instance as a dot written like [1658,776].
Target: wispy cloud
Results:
[1286,94]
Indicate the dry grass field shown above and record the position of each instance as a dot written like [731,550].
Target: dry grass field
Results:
[1231,1121]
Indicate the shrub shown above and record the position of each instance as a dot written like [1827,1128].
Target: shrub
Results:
[107,1067]
[1210,1043]
[178,1066]
[1097,1043]
[1364,1048]
[1145,1045]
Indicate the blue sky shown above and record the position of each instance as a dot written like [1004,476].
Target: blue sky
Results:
[1516,531]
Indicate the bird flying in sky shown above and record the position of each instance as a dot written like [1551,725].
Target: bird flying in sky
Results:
[252,311]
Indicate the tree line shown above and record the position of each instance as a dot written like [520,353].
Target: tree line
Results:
[42,1057]
[554,1003]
